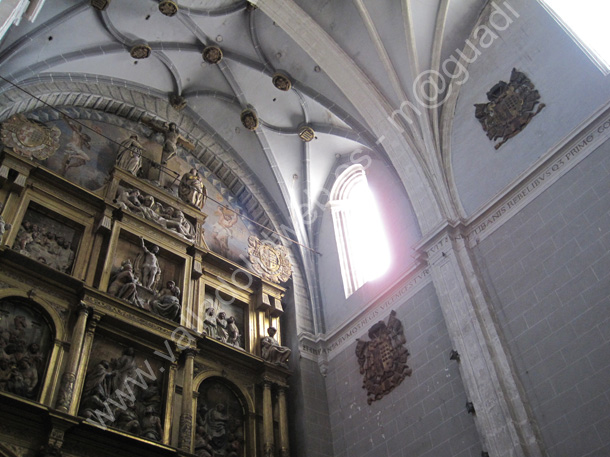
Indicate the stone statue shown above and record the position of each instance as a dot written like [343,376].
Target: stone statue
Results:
[129,156]
[202,448]
[209,323]
[271,350]
[234,335]
[191,189]
[216,426]
[129,200]
[127,418]
[98,382]
[221,327]
[3,225]
[150,271]
[151,425]
[170,146]
[124,284]
[167,305]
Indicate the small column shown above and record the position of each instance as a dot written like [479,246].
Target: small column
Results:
[186,416]
[268,446]
[281,398]
[66,389]
[84,359]
[169,403]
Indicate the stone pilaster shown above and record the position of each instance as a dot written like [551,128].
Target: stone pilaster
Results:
[186,416]
[283,435]
[502,418]
[66,388]
[268,444]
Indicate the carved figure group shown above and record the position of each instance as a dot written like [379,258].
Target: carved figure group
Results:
[21,361]
[104,381]
[222,328]
[124,285]
[191,189]
[217,432]
[45,246]
[166,216]
[272,351]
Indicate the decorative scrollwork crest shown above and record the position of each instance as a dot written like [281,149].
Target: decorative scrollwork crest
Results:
[510,108]
[29,138]
[268,260]
[383,359]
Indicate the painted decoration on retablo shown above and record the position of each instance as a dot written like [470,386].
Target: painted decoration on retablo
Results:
[383,359]
[270,261]
[510,108]
[91,144]
[30,139]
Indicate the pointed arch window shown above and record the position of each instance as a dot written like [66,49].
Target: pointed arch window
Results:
[364,252]
[586,21]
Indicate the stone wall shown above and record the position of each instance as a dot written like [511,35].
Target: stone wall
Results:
[547,272]
[425,416]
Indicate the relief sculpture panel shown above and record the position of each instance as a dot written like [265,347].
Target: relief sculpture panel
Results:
[47,240]
[123,389]
[25,346]
[220,421]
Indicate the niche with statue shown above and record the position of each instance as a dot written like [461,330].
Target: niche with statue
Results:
[220,421]
[146,276]
[26,340]
[224,318]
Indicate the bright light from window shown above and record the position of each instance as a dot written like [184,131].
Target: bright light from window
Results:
[369,242]
[588,20]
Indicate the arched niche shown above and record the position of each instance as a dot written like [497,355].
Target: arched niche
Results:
[27,345]
[223,421]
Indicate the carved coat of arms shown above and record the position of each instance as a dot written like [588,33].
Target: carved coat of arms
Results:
[383,359]
[29,138]
[510,108]
[270,261]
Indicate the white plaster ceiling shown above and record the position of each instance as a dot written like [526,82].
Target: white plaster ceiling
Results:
[390,41]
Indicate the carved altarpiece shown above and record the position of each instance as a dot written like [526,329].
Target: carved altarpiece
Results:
[105,339]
